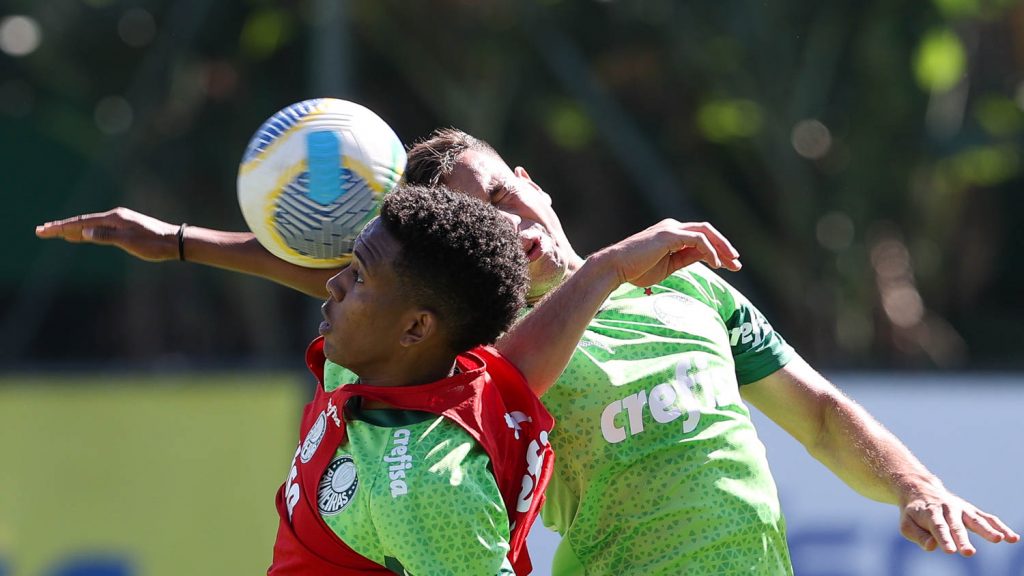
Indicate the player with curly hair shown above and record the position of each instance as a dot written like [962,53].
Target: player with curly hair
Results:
[424,449]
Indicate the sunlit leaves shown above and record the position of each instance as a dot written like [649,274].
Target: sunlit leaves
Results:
[985,9]
[958,8]
[264,32]
[724,120]
[999,116]
[569,126]
[940,61]
[981,166]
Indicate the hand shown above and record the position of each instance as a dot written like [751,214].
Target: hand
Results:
[137,234]
[936,518]
[651,256]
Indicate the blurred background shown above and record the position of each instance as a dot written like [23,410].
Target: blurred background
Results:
[865,158]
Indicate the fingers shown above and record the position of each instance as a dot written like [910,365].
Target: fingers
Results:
[698,247]
[700,242]
[996,522]
[935,524]
[958,532]
[648,257]
[982,527]
[102,235]
[951,537]
[989,527]
[728,254]
[945,521]
[941,526]
[911,531]
[70,229]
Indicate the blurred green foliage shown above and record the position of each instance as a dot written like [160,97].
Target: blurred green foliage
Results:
[940,61]
[864,157]
[724,120]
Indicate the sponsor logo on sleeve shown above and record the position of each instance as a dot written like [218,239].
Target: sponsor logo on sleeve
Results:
[750,334]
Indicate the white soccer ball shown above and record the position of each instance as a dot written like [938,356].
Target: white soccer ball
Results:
[313,175]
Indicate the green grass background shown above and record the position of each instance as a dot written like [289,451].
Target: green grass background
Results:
[176,475]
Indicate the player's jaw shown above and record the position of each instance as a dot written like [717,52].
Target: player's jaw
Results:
[547,267]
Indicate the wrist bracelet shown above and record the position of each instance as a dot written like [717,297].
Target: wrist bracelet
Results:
[181,241]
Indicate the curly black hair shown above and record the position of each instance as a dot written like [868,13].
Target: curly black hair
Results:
[431,160]
[460,258]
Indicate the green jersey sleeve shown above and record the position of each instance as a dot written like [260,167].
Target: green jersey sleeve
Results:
[757,349]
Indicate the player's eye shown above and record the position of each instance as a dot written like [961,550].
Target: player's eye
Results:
[356,276]
[499,194]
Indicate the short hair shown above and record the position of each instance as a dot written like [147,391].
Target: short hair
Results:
[431,160]
[460,258]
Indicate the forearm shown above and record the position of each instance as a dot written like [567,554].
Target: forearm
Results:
[154,240]
[868,457]
[839,433]
[874,462]
[241,252]
[543,341]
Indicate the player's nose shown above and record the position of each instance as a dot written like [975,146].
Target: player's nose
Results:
[334,288]
[514,219]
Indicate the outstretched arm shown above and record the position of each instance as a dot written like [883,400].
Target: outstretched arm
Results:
[154,240]
[871,460]
[542,343]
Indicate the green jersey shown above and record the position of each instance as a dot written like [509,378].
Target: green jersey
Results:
[414,492]
[658,469]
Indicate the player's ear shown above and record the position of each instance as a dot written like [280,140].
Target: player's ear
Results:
[521,172]
[420,325]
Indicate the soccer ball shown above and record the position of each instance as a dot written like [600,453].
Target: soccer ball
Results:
[313,175]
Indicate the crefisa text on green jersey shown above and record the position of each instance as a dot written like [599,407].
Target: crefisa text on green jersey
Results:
[692,389]
[399,460]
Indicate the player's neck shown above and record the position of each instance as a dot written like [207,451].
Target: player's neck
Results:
[371,404]
[410,370]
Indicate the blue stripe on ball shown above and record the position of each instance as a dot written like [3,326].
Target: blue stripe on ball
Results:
[323,150]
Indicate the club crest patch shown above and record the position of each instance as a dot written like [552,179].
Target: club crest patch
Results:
[676,310]
[313,438]
[337,486]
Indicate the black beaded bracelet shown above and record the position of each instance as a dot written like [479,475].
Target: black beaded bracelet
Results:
[181,241]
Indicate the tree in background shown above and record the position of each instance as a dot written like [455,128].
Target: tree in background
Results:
[865,158]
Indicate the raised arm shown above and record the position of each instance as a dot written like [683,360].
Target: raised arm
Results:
[542,343]
[154,240]
[871,460]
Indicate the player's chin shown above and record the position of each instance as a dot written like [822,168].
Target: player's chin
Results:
[545,276]
[331,351]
